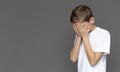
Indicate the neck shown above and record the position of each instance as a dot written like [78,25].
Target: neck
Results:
[93,28]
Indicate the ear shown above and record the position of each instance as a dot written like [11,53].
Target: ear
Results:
[92,20]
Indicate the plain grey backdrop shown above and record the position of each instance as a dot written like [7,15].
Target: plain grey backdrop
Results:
[36,35]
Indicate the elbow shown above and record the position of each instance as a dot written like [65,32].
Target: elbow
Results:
[93,63]
[73,59]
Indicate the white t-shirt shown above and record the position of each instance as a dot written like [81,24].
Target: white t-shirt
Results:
[100,42]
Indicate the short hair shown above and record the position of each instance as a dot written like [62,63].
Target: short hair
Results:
[81,13]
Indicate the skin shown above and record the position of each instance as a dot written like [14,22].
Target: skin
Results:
[82,30]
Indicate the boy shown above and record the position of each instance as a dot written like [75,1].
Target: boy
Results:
[91,44]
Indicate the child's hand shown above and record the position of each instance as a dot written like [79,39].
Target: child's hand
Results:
[83,29]
[76,30]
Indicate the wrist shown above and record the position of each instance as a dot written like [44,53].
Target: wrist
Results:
[85,37]
[78,37]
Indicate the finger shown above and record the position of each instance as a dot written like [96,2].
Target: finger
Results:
[83,24]
[80,27]
[86,27]
[75,28]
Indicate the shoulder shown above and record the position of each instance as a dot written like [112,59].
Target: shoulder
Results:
[102,31]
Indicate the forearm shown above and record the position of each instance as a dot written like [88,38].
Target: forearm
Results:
[89,51]
[75,50]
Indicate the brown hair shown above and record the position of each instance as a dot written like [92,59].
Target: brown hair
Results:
[81,13]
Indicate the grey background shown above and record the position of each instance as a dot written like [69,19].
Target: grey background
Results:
[36,35]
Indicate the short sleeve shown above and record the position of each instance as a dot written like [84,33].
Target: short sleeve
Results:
[103,44]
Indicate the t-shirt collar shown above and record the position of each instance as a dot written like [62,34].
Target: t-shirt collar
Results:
[93,31]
